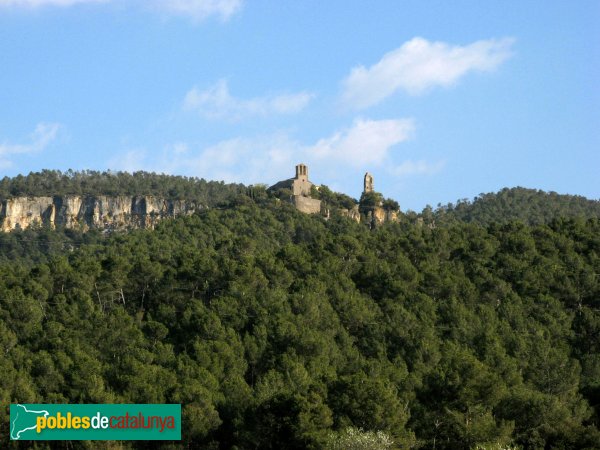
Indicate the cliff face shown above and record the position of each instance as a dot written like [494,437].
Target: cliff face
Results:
[353,213]
[124,212]
[86,212]
[373,216]
[378,216]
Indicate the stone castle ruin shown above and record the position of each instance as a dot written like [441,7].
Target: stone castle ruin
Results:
[301,189]
[368,185]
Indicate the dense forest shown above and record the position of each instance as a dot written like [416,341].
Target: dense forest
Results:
[529,206]
[279,330]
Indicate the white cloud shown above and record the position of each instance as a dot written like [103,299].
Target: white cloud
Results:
[345,155]
[216,103]
[41,137]
[197,10]
[417,168]
[130,161]
[180,148]
[419,65]
[201,9]
[247,160]
[367,142]
[40,3]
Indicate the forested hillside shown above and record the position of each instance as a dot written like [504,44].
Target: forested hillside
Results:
[94,183]
[529,206]
[276,329]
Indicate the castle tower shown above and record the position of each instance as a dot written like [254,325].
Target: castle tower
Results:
[302,172]
[368,187]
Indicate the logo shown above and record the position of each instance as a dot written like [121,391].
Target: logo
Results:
[95,422]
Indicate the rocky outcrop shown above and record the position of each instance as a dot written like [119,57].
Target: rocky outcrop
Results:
[353,213]
[378,216]
[85,212]
[25,212]
[372,216]
[124,212]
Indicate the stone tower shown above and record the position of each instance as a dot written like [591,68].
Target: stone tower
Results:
[302,172]
[301,191]
[368,183]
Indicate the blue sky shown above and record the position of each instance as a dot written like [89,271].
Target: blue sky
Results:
[438,100]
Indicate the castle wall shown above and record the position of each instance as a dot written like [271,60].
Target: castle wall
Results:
[301,187]
[306,204]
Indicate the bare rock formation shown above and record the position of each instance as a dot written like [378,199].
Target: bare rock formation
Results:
[25,212]
[377,216]
[85,212]
[352,213]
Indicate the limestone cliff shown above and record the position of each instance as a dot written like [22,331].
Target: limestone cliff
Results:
[372,216]
[378,216]
[101,212]
[353,213]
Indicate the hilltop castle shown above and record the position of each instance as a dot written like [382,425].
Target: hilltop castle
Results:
[301,192]
[301,189]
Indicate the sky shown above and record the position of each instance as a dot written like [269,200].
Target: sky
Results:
[438,100]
